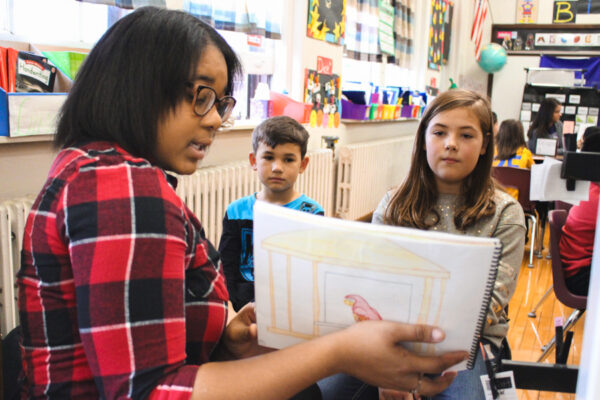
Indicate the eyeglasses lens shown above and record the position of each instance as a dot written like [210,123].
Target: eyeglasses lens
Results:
[225,107]
[205,99]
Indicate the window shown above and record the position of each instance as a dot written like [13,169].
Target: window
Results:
[258,59]
[65,22]
[70,23]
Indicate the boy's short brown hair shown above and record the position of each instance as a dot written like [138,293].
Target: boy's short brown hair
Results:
[280,130]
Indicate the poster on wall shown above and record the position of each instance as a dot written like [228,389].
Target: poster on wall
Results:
[386,27]
[326,20]
[527,11]
[436,28]
[323,92]
[564,12]
[437,35]
[588,6]
[448,11]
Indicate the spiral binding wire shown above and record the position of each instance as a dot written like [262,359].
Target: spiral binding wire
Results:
[487,297]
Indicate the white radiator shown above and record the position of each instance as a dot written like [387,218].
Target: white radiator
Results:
[366,171]
[13,214]
[209,190]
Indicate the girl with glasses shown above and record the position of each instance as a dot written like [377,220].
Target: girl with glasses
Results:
[120,293]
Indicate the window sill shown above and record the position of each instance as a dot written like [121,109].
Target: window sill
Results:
[239,126]
[26,139]
[375,121]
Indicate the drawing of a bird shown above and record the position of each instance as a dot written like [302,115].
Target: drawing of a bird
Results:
[361,310]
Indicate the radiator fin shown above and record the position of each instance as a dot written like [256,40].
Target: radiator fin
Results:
[366,171]
[13,215]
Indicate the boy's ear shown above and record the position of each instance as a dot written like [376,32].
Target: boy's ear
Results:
[303,164]
[252,159]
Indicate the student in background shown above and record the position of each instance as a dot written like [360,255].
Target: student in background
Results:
[449,188]
[495,126]
[120,293]
[590,130]
[511,150]
[577,240]
[546,124]
[279,155]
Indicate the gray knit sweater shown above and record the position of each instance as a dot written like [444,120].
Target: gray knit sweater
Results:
[507,224]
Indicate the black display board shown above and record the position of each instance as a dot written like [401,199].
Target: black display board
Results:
[580,104]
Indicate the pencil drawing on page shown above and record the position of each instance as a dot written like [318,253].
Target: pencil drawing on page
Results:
[315,275]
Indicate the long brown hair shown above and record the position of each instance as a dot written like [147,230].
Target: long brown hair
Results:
[509,139]
[416,197]
[543,119]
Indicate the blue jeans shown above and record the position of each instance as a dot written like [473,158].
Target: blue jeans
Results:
[467,384]
[346,387]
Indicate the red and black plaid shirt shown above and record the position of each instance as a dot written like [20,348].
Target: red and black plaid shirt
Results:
[120,294]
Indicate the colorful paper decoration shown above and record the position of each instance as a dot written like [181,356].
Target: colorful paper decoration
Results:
[326,20]
[323,92]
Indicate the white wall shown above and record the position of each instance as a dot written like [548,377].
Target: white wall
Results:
[508,85]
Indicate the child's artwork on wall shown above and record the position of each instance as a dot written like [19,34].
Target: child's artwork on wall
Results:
[436,34]
[315,275]
[326,20]
[447,38]
[527,11]
[323,92]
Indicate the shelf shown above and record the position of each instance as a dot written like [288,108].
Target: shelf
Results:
[26,139]
[375,121]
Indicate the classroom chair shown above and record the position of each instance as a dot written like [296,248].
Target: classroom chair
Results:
[519,178]
[557,219]
[558,205]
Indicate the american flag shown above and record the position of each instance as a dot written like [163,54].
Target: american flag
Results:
[481,12]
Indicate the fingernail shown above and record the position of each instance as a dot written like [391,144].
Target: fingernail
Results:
[437,335]
[450,373]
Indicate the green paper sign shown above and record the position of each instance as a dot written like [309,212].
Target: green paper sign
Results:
[386,27]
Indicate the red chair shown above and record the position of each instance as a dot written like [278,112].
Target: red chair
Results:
[519,178]
[557,219]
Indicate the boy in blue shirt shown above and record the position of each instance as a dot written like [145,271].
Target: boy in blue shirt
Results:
[279,156]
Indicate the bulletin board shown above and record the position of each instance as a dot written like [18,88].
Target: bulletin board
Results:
[580,104]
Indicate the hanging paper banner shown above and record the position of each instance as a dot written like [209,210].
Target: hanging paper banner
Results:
[386,27]
[436,35]
[446,38]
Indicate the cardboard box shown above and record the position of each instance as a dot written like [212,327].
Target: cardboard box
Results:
[26,114]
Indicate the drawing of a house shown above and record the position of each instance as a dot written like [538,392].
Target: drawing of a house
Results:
[311,271]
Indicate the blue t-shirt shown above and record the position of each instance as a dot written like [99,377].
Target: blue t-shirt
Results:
[236,245]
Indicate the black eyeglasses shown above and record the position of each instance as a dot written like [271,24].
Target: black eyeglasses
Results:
[206,97]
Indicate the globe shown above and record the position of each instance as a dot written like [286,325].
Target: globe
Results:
[493,57]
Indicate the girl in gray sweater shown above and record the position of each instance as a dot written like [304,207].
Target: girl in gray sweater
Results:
[449,188]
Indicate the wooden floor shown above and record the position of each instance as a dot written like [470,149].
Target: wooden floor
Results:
[527,335]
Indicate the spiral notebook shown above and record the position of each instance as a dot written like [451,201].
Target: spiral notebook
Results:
[315,275]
